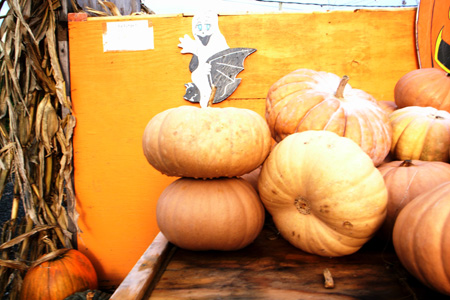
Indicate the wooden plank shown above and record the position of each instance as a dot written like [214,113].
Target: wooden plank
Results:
[273,269]
[115,94]
[137,282]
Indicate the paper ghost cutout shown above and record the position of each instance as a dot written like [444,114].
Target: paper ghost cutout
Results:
[213,61]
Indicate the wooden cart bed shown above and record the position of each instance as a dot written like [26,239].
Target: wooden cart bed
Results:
[269,268]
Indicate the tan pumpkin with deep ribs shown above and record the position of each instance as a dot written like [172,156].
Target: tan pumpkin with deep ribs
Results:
[309,100]
[212,214]
[421,238]
[210,142]
[406,180]
[324,193]
[421,133]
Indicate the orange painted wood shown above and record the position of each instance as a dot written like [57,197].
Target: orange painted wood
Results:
[115,94]
[433,25]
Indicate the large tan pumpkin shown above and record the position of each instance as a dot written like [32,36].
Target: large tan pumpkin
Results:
[309,100]
[212,214]
[405,180]
[421,238]
[210,142]
[424,87]
[421,133]
[324,193]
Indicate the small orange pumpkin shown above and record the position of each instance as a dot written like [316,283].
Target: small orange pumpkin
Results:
[423,87]
[209,142]
[212,214]
[421,238]
[67,272]
[405,180]
[420,133]
[309,100]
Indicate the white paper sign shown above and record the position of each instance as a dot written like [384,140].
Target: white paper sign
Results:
[128,36]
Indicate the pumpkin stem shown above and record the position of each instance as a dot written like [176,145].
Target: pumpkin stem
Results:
[211,97]
[49,256]
[406,163]
[340,90]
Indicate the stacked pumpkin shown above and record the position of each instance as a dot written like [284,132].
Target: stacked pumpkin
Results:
[418,180]
[320,183]
[209,207]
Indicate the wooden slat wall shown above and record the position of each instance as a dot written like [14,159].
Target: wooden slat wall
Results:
[115,94]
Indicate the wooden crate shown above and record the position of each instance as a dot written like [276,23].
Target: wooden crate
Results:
[269,268]
[115,94]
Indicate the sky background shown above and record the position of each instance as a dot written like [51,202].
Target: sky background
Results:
[227,6]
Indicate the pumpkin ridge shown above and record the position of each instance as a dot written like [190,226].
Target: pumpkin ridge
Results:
[71,271]
[241,208]
[161,150]
[417,143]
[431,205]
[442,242]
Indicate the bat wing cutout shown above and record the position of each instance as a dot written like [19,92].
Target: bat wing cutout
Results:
[225,66]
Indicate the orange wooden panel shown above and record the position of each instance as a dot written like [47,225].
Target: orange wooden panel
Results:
[115,94]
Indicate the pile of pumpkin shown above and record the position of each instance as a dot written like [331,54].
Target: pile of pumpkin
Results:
[338,167]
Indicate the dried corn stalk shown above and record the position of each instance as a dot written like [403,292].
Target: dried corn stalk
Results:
[35,138]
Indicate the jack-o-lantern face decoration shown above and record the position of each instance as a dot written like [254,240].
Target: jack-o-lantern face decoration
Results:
[433,34]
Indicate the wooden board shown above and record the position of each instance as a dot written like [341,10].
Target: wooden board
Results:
[115,94]
[271,268]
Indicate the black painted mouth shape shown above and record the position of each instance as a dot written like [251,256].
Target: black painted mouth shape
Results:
[442,55]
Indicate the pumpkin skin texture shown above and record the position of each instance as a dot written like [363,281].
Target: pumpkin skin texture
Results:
[210,142]
[405,180]
[213,214]
[58,278]
[420,133]
[309,100]
[421,238]
[387,106]
[423,87]
[324,193]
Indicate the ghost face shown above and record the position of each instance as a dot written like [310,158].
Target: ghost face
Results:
[204,26]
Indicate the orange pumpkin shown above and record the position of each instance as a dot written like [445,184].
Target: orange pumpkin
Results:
[55,279]
[212,214]
[324,193]
[420,133]
[406,180]
[421,238]
[387,105]
[424,87]
[309,100]
[210,142]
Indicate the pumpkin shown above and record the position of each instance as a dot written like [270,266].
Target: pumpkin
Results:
[252,177]
[309,100]
[212,214]
[58,275]
[423,87]
[421,238]
[420,133]
[387,105]
[324,193]
[406,180]
[209,142]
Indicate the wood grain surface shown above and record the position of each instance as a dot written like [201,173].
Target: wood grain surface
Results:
[116,93]
[271,268]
